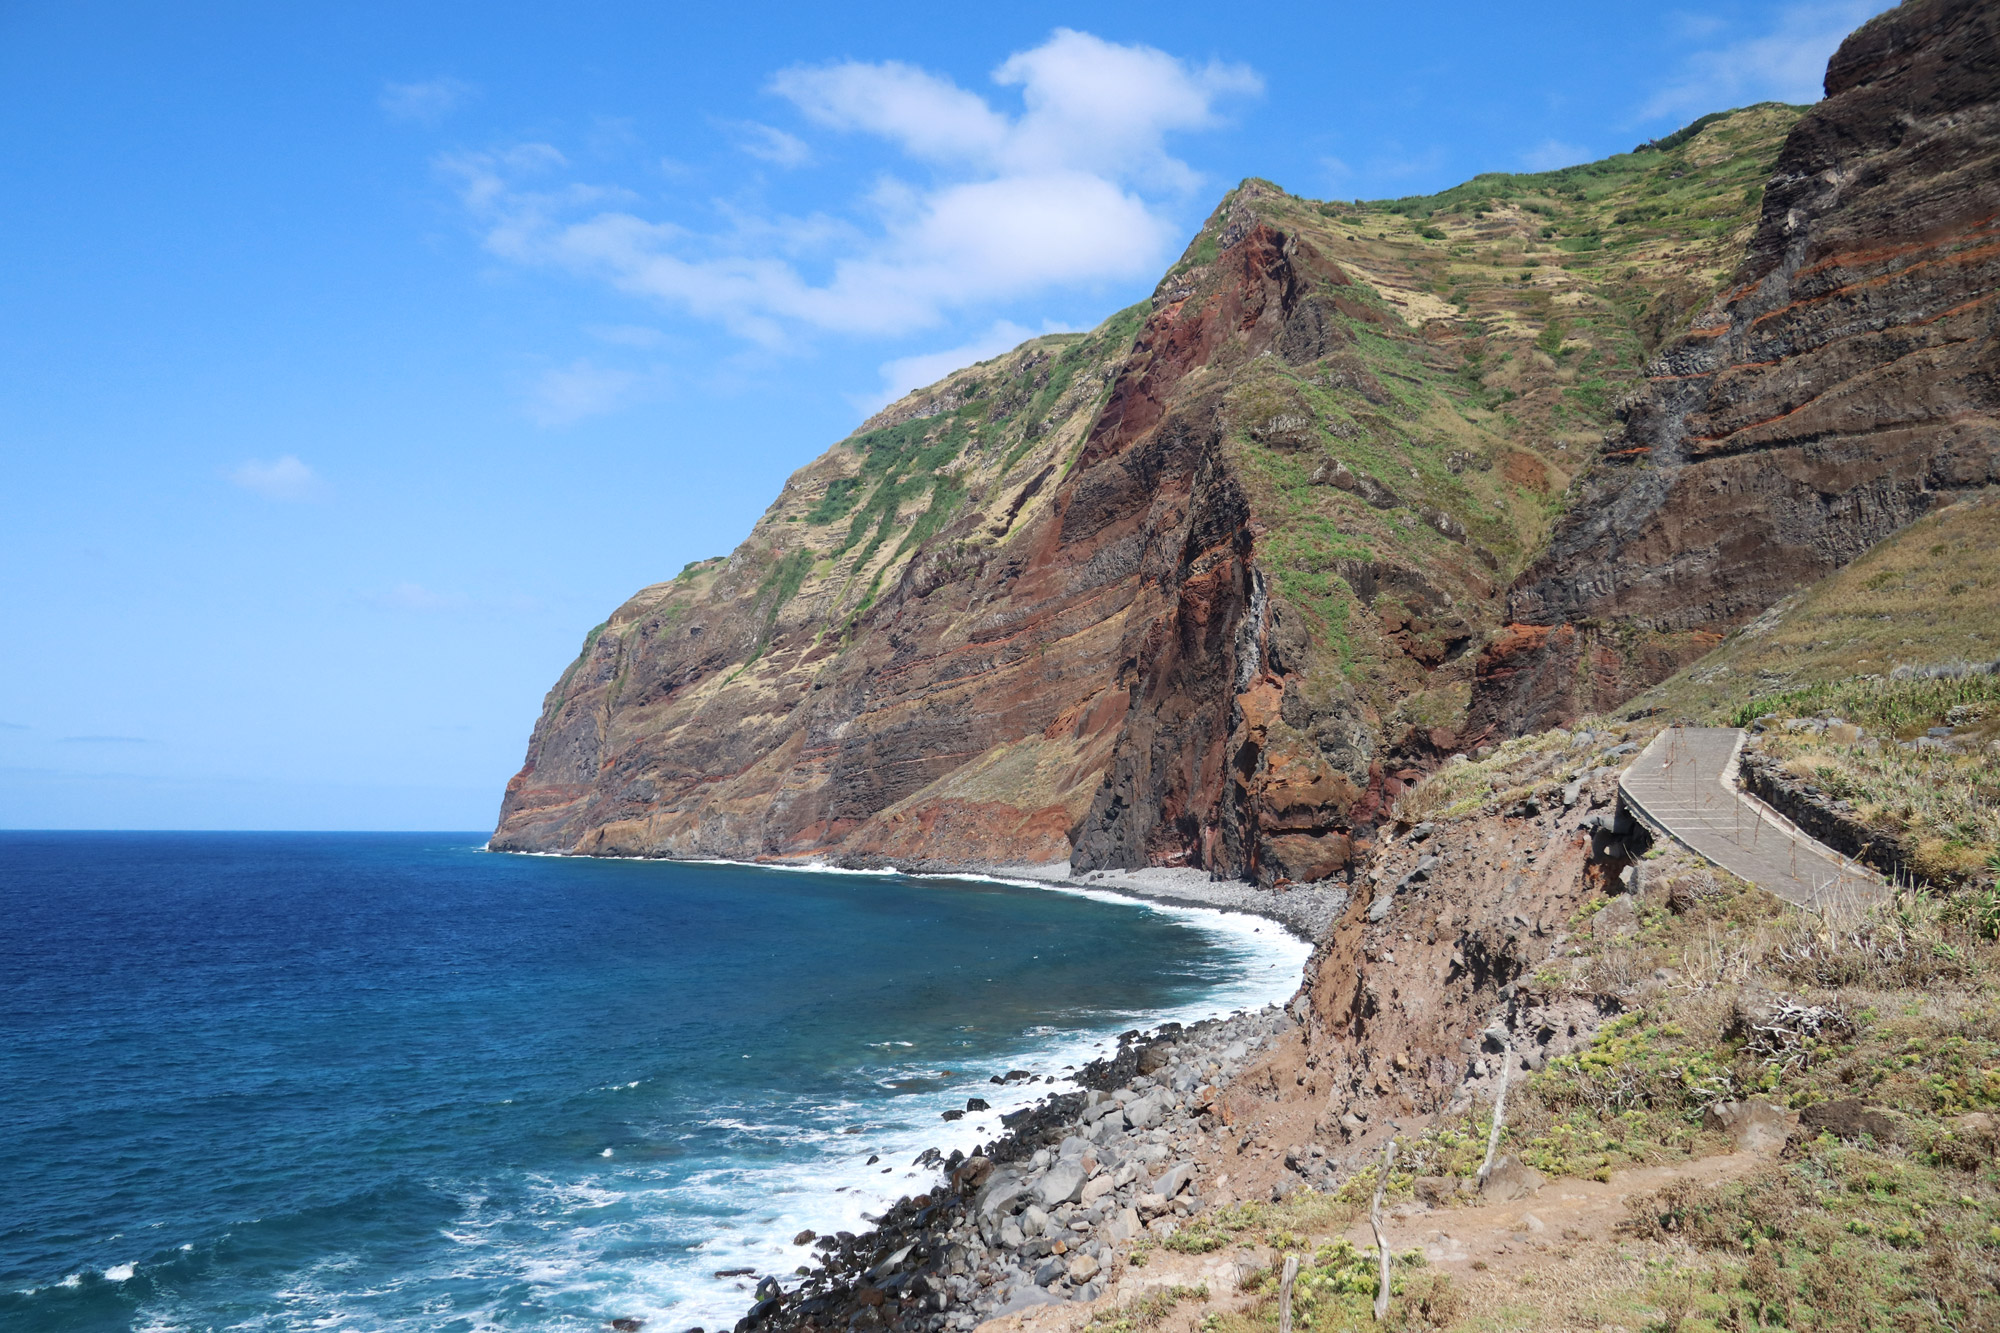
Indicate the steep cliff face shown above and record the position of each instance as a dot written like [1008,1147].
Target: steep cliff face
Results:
[1847,379]
[1203,587]
[1140,596]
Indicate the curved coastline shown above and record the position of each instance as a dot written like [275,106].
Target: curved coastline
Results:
[1305,910]
[1072,1067]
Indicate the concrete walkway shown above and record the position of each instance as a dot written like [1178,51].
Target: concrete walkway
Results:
[1684,785]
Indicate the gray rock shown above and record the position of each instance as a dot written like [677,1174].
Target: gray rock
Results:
[1174,1179]
[1754,1127]
[1050,1269]
[1000,1192]
[1062,1184]
[1146,1112]
[1616,919]
[1510,1180]
[1379,909]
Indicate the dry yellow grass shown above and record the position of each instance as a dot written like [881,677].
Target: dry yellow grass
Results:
[1928,595]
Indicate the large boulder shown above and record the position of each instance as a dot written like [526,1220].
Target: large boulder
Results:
[1147,1111]
[1510,1180]
[1850,1118]
[1174,1179]
[1754,1127]
[1062,1184]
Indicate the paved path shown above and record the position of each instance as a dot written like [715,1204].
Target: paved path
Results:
[1684,785]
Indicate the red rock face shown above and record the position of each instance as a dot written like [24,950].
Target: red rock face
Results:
[1101,683]
[1847,380]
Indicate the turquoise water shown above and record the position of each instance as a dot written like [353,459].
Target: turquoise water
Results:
[302,1081]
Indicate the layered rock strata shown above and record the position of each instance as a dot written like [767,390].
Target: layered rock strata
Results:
[1846,380]
[1075,654]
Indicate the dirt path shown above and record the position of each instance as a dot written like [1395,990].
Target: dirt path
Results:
[1556,1259]
[1684,785]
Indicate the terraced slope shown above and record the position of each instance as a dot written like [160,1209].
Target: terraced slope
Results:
[1846,382]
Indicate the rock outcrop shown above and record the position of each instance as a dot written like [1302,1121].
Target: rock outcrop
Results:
[1080,659]
[1847,378]
[1207,587]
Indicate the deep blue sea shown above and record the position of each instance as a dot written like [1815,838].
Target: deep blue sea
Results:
[393,1081]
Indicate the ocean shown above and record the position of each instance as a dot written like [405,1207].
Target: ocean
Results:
[394,1081]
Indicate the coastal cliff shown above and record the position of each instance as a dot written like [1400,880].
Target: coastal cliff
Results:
[1845,383]
[1210,585]
[1022,616]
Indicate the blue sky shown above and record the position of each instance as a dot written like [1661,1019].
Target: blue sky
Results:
[356,359]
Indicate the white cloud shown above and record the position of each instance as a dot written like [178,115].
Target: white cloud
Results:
[1552,153]
[1786,63]
[1065,191]
[284,479]
[626,335]
[571,393]
[416,597]
[770,144]
[1695,27]
[914,372]
[426,103]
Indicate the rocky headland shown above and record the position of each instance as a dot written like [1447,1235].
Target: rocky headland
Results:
[1309,587]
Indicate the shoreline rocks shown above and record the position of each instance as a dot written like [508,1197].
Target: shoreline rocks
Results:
[1046,1212]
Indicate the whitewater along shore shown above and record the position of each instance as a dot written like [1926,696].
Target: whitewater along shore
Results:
[1307,910]
[1046,1212]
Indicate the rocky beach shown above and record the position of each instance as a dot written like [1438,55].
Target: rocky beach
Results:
[1049,1211]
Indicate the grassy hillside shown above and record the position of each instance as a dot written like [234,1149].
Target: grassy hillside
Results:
[1405,478]
[1928,596]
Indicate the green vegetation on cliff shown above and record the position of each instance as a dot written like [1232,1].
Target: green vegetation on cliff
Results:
[1403,477]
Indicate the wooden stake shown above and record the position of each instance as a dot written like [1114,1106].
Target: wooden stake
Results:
[1499,1110]
[1285,1294]
[1382,1241]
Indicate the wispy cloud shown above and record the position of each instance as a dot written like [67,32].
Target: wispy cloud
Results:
[914,372]
[567,394]
[1552,153]
[1784,61]
[1070,189]
[627,335]
[426,103]
[416,597]
[770,144]
[108,740]
[285,478]
[13,726]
